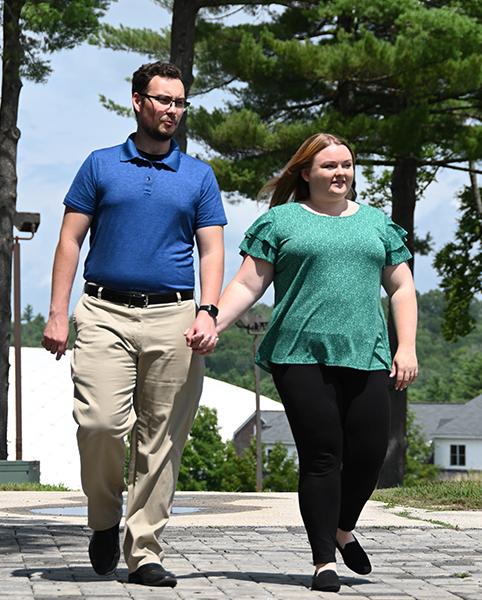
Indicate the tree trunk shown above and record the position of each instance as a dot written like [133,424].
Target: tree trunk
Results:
[475,186]
[9,135]
[183,30]
[403,186]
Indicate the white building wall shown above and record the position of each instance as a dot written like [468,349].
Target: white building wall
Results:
[473,454]
[49,431]
[290,447]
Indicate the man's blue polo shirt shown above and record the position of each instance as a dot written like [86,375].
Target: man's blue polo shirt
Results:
[145,215]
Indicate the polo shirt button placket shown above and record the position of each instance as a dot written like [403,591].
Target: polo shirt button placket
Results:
[148,185]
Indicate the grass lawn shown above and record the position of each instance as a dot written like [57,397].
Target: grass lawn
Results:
[435,495]
[32,487]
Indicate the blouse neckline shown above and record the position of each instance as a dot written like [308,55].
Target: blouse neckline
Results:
[317,214]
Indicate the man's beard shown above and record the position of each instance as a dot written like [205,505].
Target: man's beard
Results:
[158,136]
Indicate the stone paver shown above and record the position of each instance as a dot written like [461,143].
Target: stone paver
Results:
[44,562]
[234,548]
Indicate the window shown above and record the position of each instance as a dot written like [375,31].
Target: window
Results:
[457,455]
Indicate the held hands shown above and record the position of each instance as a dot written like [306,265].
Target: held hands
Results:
[404,368]
[202,337]
[56,334]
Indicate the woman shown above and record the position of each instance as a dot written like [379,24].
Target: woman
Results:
[327,344]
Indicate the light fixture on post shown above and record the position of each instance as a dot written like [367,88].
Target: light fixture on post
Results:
[256,325]
[26,222]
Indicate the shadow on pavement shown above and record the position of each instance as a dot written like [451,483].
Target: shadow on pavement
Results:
[65,574]
[80,574]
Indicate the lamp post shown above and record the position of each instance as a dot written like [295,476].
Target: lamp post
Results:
[27,223]
[255,325]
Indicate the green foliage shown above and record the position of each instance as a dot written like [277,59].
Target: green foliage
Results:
[417,455]
[122,111]
[33,487]
[153,44]
[449,372]
[396,78]
[239,473]
[32,328]
[204,454]
[459,264]
[281,471]
[209,464]
[246,468]
[48,26]
[466,381]
[447,495]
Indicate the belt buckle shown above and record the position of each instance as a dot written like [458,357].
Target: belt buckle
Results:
[140,296]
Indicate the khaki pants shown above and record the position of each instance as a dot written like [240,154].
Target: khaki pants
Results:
[132,371]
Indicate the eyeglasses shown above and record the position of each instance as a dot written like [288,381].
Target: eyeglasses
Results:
[168,101]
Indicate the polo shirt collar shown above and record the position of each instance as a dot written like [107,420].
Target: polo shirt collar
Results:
[130,152]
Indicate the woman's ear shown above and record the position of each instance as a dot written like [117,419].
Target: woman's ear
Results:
[305,174]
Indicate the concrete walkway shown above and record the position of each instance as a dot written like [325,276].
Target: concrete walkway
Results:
[238,546]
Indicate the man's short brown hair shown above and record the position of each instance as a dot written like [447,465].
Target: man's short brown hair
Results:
[144,74]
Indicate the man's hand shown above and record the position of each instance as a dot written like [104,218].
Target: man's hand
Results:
[201,337]
[74,229]
[404,368]
[56,334]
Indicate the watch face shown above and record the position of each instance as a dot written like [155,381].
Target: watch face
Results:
[210,309]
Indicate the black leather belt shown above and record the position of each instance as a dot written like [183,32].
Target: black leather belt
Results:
[138,299]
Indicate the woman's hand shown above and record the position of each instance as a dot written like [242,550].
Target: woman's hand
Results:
[404,368]
[202,336]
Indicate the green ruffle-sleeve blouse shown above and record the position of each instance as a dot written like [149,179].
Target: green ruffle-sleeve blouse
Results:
[327,281]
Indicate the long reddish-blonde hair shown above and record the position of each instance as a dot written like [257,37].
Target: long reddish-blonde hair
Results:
[289,183]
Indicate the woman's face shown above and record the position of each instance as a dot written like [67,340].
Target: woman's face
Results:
[331,173]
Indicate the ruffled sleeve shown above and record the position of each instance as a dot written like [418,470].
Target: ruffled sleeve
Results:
[395,249]
[260,239]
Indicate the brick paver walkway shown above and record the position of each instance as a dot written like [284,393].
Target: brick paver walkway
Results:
[45,562]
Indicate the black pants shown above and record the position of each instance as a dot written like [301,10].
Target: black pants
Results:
[340,422]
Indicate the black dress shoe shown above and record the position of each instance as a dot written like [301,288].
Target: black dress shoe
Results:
[355,558]
[104,551]
[326,581]
[153,574]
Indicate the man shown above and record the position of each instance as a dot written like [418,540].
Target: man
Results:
[144,202]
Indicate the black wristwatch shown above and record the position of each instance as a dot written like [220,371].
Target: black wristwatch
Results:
[210,309]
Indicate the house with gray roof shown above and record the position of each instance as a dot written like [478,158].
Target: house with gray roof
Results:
[274,428]
[457,441]
[430,416]
[455,430]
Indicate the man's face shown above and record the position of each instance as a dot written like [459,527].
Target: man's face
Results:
[156,119]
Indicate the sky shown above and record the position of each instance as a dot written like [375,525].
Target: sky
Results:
[62,121]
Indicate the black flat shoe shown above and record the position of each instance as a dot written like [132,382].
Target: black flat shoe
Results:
[153,574]
[355,558]
[104,551]
[326,581]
